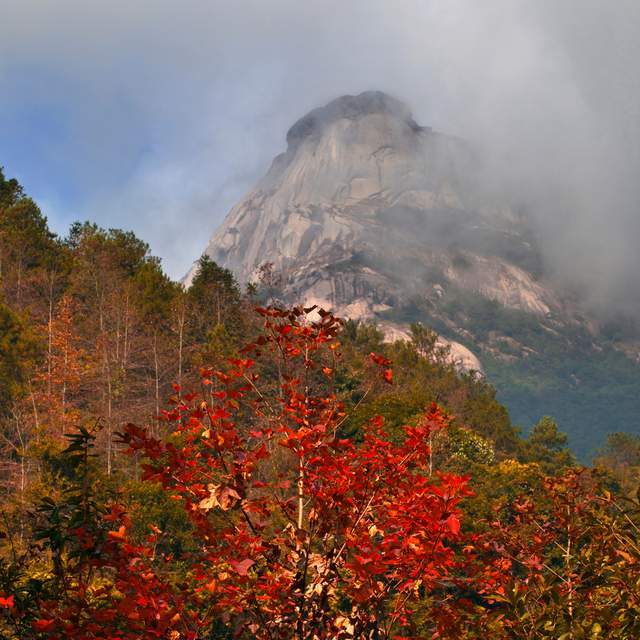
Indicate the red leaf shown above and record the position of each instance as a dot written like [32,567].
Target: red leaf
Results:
[6,603]
[44,625]
[381,361]
[243,566]
[453,524]
[120,534]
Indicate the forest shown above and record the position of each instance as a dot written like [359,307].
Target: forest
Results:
[207,462]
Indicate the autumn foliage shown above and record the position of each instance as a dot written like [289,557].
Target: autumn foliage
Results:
[296,531]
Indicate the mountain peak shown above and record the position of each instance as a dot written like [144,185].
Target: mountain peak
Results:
[356,170]
[351,107]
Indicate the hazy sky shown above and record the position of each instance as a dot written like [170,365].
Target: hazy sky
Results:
[157,116]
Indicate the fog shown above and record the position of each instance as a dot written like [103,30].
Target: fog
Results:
[158,116]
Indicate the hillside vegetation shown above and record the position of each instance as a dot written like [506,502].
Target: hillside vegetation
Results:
[588,383]
[204,463]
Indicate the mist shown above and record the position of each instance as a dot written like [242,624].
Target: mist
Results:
[158,116]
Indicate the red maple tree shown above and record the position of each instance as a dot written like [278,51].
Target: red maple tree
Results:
[298,532]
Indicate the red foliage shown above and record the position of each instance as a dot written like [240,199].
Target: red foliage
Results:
[300,533]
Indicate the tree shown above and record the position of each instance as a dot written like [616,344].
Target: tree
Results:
[215,299]
[60,376]
[93,584]
[10,190]
[122,298]
[548,446]
[545,434]
[26,243]
[563,563]
[299,533]
[621,456]
[19,349]
[425,341]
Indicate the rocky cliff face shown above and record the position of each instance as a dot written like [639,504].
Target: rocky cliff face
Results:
[376,217]
[367,212]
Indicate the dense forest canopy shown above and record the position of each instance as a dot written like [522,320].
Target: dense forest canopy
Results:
[177,464]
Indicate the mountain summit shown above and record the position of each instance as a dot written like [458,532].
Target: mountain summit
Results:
[350,107]
[378,218]
[367,209]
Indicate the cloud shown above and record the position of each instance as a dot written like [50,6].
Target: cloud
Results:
[157,116]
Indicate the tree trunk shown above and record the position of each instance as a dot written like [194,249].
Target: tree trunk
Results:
[157,379]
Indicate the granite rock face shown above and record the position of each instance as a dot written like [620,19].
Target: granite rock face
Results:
[366,211]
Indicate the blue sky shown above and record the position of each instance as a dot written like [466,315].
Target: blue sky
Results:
[157,116]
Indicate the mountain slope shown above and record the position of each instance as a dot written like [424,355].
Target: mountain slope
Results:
[358,176]
[381,219]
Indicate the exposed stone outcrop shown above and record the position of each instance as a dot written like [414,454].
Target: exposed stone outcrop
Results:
[453,352]
[366,210]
